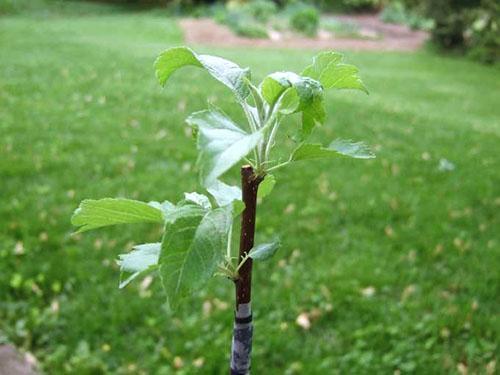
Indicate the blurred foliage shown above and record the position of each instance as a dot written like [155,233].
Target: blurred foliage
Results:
[396,12]
[246,19]
[261,10]
[253,18]
[362,5]
[248,28]
[17,6]
[303,18]
[341,5]
[472,26]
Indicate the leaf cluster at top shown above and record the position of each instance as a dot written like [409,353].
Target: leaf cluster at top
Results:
[222,142]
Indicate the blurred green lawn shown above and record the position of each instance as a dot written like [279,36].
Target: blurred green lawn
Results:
[395,261]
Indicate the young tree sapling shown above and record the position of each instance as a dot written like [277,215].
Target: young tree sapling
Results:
[196,242]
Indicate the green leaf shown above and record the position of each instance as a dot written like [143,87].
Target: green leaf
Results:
[224,194]
[221,143]
[320,64]
[193,245]
[328,69]
[238,208]
[165,206]
[343,76]
[266,186]
[141,259]
[273,86]
[312,116]
[199,199]
[264,251]
[276,83]
[92,214]
[297,94]
[225,71]
[357,150]
[290,102]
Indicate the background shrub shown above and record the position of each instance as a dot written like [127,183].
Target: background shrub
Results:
[248,19]
[345,5]
[362,5]
[471,26]
[396,12]
[304,19]
[483,34]
[250,29]
[261,10]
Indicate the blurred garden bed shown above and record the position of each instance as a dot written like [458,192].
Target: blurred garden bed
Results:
[353,32]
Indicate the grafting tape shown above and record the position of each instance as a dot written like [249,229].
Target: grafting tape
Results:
[245,320]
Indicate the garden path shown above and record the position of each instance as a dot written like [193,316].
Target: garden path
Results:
[390,37]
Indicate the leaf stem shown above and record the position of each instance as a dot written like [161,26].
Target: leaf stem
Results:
[253,129]
[278,166]
[229,240]
[226,272]
[243,260]
[249,116]
[270,141]
[258,100]
[275,121]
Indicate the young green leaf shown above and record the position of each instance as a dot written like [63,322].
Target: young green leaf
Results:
[298,94]
[320,63]
[193,245]
[264,251]
[290,101]
[199,199]
[273,86]
[227,195]
[276,83]
[165,206]
[328,69]
[266,186]
[221,143]
[357,150]
[225,71]
[312,116]
[141,259]
[92,214]
[224,194]
[343,76]
[238,207]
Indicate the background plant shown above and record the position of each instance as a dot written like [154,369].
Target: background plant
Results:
[396,12]
[246,19]
[468,26]
[303,18]
[254,18]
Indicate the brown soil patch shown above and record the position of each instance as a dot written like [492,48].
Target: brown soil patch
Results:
[391,37]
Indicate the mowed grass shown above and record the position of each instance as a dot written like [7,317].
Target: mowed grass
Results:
[395,262]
